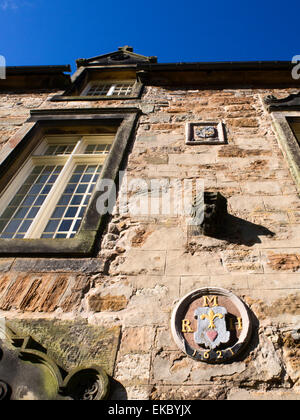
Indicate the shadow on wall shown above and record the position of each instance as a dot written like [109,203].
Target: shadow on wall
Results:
[241,232]
[117,391]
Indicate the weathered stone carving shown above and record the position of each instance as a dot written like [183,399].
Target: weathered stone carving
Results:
[4,388]
[207,214]
[205,133]
[90,383]
[291,102]
[28,372]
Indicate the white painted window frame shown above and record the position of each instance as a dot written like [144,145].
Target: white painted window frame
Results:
[112,83]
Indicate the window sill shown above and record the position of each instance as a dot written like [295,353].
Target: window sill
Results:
[81,245]
[62,98]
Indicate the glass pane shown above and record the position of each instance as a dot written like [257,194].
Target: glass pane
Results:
[60,149]
[71,211]
[76,199]
[21,213]
[51,226]
[13,226]
[86,178]
[98,89]
[58,212]
[65,225]
[40,200]
[81,189]
[25,226]
[36,189]
[65,199]
[98,149]
[33,212]
[75,179]
[90,148]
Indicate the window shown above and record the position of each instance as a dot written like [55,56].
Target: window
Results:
[49,178]
[60,178]
[103,88]
[91,84]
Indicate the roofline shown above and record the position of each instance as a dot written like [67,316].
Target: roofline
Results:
[209,65]
[218,65]
[38,69]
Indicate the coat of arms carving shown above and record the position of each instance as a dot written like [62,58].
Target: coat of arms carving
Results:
[211,325]
[198,133]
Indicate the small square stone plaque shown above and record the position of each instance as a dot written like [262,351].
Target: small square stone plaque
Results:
[205,133]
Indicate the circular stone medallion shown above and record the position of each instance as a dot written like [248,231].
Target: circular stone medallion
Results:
[211,325]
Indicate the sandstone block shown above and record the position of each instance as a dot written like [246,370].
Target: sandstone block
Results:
[183,264]
[137,340]
[133,369]
[139,262]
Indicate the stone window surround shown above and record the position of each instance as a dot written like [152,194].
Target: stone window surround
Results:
[82,77]
[83,244]
[287,141]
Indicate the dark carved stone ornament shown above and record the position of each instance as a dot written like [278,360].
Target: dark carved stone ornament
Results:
[28,372]
[86,383]
[4,390]
[291,102]
[207,214]
[120,56]
[123,55]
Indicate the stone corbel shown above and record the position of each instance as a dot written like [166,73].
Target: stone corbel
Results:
[207,214]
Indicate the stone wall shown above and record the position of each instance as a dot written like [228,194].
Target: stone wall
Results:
[148,262]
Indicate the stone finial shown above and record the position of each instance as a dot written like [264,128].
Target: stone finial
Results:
[126,48]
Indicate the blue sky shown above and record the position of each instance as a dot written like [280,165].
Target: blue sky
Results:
[45,32]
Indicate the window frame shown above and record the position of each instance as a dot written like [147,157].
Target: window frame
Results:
[287,141]
[87,75]
[84,243]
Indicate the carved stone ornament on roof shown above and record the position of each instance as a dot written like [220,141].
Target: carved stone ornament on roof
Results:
[291,102]
[120,56]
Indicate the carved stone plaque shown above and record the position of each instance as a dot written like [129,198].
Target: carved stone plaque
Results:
[205,133]
[211,325]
